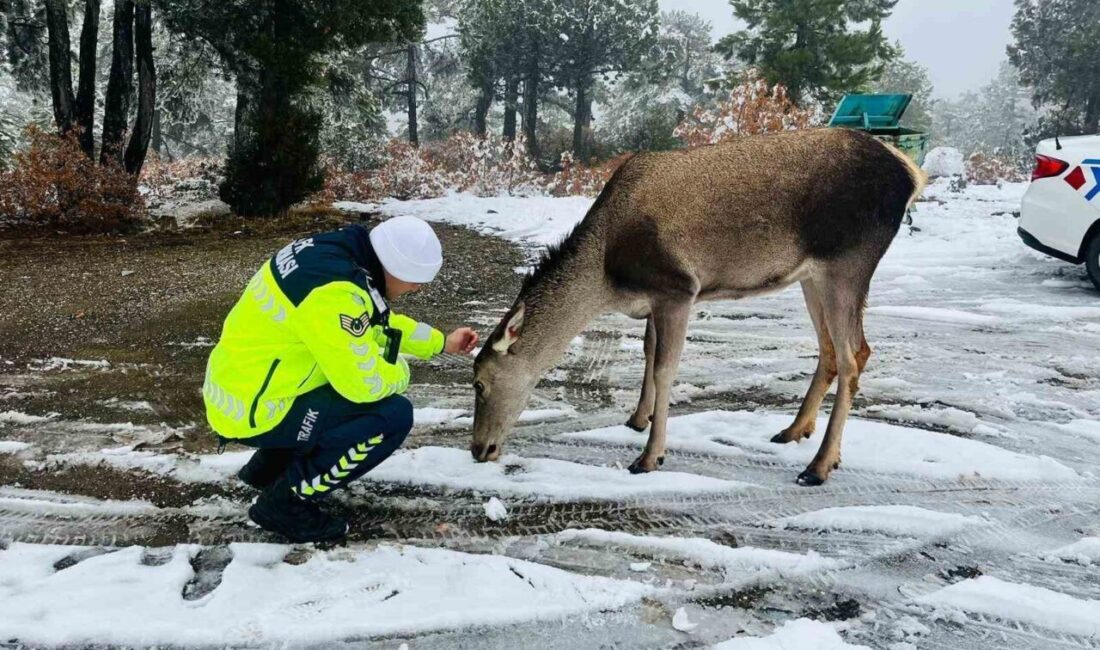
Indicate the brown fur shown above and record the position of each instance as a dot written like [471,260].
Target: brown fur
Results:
[721,222]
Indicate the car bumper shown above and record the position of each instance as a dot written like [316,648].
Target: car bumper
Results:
[1031,241]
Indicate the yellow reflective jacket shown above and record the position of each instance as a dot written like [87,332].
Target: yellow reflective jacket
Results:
[314,314]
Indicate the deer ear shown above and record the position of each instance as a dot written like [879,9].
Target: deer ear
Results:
[511,331]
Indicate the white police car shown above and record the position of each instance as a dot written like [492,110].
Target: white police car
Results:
[1060,215]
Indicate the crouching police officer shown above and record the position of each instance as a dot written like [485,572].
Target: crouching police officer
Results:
[309,370]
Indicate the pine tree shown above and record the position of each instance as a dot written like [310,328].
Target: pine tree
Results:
[908,77]
[274,48]
[993,120]
[599,37]
[1055,51]
[817,49]
[640,110]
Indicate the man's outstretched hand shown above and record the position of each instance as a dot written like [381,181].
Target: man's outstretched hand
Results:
[461,341]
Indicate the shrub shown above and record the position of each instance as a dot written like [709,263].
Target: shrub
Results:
[464,162]
[162,180]
[753,107]
[983,169]
[579,180]
[276,163]
[51,184]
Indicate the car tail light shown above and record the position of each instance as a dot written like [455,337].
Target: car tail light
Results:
[1047,167]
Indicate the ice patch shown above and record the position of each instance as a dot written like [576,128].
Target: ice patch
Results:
[128,405]
[949,418]
[935,314]
[743,562]
[455,469]
[12,446]
[15,417]
[38,502]
[61,363]
[802,634]
[263,601]
[1085,428]
[870,446]
[1020,602]
[907,521]
[1084,551]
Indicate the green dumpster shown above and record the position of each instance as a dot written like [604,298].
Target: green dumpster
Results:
[879,115]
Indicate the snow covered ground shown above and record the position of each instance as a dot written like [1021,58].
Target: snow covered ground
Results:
[966,512]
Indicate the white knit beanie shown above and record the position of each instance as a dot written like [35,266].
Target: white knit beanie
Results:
[408,249]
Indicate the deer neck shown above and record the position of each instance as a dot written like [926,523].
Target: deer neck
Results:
[561,304]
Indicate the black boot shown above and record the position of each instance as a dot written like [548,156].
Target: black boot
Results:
[265,466]
[278,510]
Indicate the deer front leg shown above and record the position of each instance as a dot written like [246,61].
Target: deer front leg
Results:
[643,415]
[670,322]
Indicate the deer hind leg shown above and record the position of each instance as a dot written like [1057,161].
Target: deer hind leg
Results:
[843,300]
[670,321]
[806,420]
[643,415]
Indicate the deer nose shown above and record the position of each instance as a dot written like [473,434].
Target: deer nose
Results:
[483,453]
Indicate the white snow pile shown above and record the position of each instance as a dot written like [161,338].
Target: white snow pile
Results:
[1020,602]
[455,469]
[740,563]
[1084,551]
[1089,429]
[62,363]
[537,220]
[867,445]
[15,417]
[12,446]
[495,509]
[431,416]
[40,503]
[681,622]
[802,634]
[262,600]
[208,468]
[944,161]
[906,521]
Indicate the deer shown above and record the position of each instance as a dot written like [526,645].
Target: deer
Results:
[725,221]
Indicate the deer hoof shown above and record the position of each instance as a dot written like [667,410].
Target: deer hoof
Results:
[640,428]
[790,435]
[809,478]
[644,465]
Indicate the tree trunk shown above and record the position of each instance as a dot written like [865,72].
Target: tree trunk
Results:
[147,89]
[120,84]
[157,143]
[511,98]
[481,110]
[531,110]
[1092,115]
[85,89]
[580,121]
[240,112]
[61,74]
[410,77]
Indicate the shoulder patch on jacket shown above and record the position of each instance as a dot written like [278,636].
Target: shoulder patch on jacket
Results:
[355,326]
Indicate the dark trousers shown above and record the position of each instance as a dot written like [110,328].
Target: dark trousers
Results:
[334,441]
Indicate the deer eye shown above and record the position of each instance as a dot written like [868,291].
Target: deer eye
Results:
[479,387]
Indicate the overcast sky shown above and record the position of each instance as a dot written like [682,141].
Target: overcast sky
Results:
[961,42]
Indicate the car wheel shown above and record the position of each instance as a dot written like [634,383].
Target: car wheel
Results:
[1092,260]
